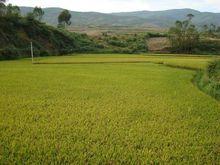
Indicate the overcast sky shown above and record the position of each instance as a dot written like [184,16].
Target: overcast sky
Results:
[108,6]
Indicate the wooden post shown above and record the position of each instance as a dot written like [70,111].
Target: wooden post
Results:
[32,53]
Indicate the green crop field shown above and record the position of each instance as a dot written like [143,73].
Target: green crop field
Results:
[93,109]
[185,61]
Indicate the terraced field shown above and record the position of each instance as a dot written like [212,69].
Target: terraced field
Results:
[106,113]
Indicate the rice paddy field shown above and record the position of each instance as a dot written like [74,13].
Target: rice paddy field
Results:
[107,109]
[185,61]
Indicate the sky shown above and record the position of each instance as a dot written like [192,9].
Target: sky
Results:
[108,6]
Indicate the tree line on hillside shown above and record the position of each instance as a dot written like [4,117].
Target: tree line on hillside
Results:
[185,37]
[37,14]
[211,30]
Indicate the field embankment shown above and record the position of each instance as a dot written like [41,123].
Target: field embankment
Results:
[184,61]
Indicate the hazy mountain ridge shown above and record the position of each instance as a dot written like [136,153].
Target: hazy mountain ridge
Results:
[161,19]
[167,17]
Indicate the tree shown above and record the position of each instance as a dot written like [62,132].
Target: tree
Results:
[12,10]
[2,1]
[190,16]
[64,18]
[30,16]
[184,36]
[210,30]
[2,7]
[8,10]
[205,28]
[38,13]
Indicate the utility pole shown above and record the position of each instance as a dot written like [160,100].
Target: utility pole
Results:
[32,53]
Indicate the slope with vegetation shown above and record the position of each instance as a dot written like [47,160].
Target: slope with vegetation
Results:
[17,32]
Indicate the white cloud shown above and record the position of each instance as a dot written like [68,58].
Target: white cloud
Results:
[213,2]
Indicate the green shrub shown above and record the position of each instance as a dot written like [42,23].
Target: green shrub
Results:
[209,46]
[155,34]
[44,53]
[118,43]
[208,80]
[9,53]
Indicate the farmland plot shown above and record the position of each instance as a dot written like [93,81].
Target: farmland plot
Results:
[105,113]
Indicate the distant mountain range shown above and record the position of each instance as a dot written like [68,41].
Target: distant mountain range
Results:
[161,19]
